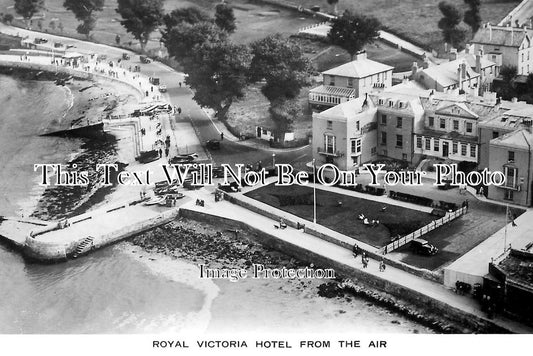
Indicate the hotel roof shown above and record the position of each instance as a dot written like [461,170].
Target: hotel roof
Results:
[360,68]
[446,75]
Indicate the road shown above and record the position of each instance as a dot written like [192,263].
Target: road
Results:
[522,13]
[181,96]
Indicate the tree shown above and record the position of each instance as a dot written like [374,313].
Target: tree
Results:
[506,88]
[472,17]
[218,74]
[28,8]
[141,17]
[449,24]
[183,40]
[334,3]
[8,18]
[185,15]
[84,10]
[224,17]
[282,64]
[353,31]
[283,113]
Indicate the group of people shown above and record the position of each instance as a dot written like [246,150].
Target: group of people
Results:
[365,259]
[368,222]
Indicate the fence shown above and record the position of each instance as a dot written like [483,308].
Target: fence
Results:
[423,230]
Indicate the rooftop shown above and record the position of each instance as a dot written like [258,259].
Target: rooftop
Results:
[347,109]
[520,139]
[362,67]
[501,36]
[446,75]
[518,266]
[330,90]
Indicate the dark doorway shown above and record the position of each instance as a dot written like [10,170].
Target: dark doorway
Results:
[445,149]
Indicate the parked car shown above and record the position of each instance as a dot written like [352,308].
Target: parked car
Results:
[422,247]
[144,59]
[183,159]
[213,144]
[163,88]
[125,56]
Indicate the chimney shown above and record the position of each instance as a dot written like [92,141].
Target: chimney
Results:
[459,81]
[414,69]
[426,63]
[467,49]
[463,70]
[360,56]
[478,62]
[514,100]
[453,54]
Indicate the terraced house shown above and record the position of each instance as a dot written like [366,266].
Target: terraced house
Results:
[350,81]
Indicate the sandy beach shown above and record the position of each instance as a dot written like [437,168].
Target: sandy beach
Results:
[261,305]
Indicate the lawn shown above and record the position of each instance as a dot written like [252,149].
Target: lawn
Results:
[298,200]
[417,19]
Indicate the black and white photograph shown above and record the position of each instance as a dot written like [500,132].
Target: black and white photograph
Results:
[227,177]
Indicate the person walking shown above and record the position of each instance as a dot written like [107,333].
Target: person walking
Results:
[222,136]
[382,266]
[179,110]
[355,250]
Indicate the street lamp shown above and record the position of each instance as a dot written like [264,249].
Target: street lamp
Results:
[314,192]
[273,160]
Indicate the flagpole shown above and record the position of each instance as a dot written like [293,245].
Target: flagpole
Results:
[506,219]
[314,192]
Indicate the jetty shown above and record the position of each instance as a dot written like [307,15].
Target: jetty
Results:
[58,241]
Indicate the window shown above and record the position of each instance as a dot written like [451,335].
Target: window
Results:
[380,102]
[383,138]
[473,151]
[350,82]
[399,122]
[384,75]
[510,176]
[357,126]
[511,156]
[468,127]
[399,141]
[456,125]
[454,147]
[436,145]
[391,103]
[356,146]
[329,144]
[463,150]
[404,156]
[332,80]
[329,125]
[385,153]
[428,144]
[418,142]
[383,119]
[431,121]
[495,134]
[401,105]
[522,57]
[508,195]
[373,151]
[442,123]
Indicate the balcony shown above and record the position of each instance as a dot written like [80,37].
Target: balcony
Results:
[510,185]
[330,153]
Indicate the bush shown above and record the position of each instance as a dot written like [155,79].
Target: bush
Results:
[8,18]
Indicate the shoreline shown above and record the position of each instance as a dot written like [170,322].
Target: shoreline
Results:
[50,203]
[217,247]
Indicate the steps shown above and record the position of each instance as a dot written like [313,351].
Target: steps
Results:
[84,246]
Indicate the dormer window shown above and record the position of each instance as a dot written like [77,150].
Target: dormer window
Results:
[332,80]
[391,103]
[380,102]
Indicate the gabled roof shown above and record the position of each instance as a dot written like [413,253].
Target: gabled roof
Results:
[360,68]
[500,36]
[457,109]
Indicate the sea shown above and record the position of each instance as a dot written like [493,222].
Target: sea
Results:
[122,289]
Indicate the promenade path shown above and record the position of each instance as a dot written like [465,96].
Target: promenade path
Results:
[342,255]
